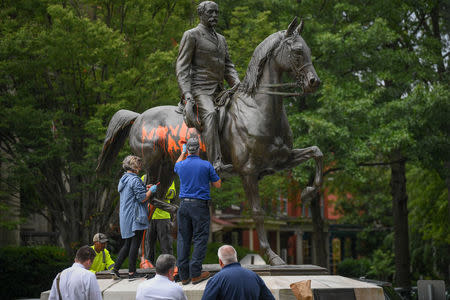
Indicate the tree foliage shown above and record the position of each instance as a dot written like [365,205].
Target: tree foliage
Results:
[67,66]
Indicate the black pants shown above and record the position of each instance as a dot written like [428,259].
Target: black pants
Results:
[159,229]
[130,248]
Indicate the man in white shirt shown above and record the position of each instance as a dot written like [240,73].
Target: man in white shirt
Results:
[77,282]
[161,286]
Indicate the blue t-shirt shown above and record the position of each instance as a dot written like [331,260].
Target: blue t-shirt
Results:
[237,283]
[195,175]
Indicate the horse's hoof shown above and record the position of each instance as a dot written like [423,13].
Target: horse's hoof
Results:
[276,261]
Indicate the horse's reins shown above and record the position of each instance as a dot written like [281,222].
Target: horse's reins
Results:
[289,84]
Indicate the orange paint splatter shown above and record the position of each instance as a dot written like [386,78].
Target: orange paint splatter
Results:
[161,134]
[172,146]
[170,139]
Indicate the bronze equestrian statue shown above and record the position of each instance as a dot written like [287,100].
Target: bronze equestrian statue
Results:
[256,138]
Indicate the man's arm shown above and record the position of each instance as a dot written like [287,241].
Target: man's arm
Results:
[93,288]
[54,291]
[230,73]
[183,65]
[183,154]
[212,289]
[265,293]
[214,178]
[109,261]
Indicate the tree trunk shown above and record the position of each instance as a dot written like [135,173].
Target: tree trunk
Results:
[319,242]
[402,276]
[447,182]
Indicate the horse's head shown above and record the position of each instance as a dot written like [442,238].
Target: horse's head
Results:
[293,55]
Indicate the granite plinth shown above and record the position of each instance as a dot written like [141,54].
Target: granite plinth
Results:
[278,285]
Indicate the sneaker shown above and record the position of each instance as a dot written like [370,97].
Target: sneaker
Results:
[132,277]
[115,274]
[187,281]
[205,275]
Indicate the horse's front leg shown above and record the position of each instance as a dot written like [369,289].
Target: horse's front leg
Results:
[250,184]
[298,156]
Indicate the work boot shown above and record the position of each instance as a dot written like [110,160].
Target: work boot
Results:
[115,274]
[187,281]
[205,275]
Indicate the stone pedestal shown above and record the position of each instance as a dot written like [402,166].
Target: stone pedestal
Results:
[277,279]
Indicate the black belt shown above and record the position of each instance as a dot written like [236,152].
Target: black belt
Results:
[194,200]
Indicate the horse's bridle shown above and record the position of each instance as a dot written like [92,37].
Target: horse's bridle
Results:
[298,75]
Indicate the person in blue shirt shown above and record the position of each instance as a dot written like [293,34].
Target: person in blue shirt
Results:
[133,217]
[235,282]
[193,215]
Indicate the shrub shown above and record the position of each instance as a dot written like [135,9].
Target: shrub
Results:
[27,271]
[356,268]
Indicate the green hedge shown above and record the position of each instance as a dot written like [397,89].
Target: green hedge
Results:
[355,268]
[27,271]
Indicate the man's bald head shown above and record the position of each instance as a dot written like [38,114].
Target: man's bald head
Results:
[227,254]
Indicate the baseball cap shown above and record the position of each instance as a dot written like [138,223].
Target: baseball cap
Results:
[100,237]
[192,145]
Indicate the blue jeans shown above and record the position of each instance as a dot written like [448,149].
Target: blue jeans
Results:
[193,226]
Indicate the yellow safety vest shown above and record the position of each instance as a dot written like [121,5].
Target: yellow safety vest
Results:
[102,261]
[160,214]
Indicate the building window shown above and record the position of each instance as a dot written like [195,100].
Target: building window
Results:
[284,201]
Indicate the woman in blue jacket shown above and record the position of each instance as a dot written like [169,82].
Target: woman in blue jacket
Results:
[133,214]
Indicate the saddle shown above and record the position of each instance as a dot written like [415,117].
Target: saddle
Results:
[221,102]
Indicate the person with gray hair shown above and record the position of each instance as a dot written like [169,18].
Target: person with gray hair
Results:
[235,282]
[133,216]
[161,286]
[195,175]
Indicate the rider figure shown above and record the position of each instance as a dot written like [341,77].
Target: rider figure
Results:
[202,65]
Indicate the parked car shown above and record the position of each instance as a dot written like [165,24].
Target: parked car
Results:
[388,289]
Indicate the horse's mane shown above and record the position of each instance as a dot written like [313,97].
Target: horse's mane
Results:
[261,54]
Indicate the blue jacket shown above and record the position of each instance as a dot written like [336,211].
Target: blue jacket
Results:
[132,192]
[237,283]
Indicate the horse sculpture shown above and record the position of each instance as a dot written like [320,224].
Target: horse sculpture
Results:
[255,138]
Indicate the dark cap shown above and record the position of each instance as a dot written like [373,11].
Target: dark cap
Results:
[100,237]
[192,145]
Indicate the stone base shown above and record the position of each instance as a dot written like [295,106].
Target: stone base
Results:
[278,285]
[277,279]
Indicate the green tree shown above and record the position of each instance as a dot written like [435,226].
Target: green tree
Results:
[371,57]
[65,69]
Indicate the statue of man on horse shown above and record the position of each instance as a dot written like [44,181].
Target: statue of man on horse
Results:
[202,65]
[255,136]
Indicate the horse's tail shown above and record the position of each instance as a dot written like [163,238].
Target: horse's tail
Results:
[118,130]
